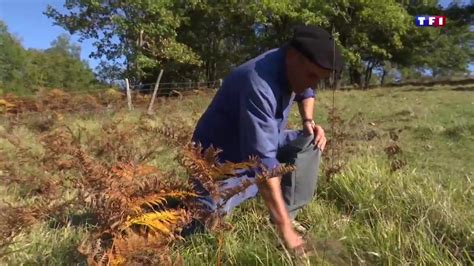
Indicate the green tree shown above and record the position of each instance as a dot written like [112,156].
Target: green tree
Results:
[370,31]
[63,45]
[12,61]
[107,73]
[59,66]
[221,33]
[204,39]
[443,51]
[451,51]
[141,31]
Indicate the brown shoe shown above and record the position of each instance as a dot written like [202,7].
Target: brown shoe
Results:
[299,227]
[296,225]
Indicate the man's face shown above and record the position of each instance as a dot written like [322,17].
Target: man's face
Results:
[302,73]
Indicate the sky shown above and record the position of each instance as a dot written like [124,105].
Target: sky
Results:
[25,19]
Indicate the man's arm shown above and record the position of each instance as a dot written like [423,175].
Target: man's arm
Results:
[259,136]
[273,198]
[306,109]
[306,104]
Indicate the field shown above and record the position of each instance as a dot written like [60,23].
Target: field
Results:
[395,188]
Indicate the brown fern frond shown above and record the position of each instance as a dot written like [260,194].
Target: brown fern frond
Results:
[132,249]
[93,170]
[145,170]
[281,170]
[207,163]
[228,169]
[92,250]
[173,182]
[199,168]
[163,221]
[261,177]
[336,148]
[158,201]
[147,186]
[180,195]
[230,192]
[6,106]
[151,201]
[12,219]
[175,135]
[129,171]
[121,193]
[124,171]
[210,155]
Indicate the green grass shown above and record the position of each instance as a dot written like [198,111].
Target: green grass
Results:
[45,245]
[366,214]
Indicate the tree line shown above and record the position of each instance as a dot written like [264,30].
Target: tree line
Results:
[202,40]
[23,71]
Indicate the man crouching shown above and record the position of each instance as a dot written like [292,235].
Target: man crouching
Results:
[248,117]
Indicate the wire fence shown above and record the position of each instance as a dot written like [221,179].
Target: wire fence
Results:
[164,89]
[140,96]
[98,100]
[167,88]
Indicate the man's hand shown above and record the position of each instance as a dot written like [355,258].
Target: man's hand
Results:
[310,128]
[291,238]
[272,196]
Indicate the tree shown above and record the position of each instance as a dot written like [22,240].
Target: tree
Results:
[442,51]
[12,60]
[204,39]
[63,45]
[220,32]
[141,31]
[108,73]
[368,31]
[59,66]
[451,51]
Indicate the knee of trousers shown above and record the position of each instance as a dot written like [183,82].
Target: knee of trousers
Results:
[307,145]
[312,150]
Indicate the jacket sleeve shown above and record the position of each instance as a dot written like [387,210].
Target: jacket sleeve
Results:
[308,93]
[259,128]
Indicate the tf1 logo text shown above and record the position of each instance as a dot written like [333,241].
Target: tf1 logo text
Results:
[430,21]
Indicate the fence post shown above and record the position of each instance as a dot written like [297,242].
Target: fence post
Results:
[157,85]
[129,95]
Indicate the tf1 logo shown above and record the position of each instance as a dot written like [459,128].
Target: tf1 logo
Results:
[430,21]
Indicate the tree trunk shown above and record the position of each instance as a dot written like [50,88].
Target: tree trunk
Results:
[368,73]
[212,64]
[382,79]
[208,68]
[367,76]
[355,76]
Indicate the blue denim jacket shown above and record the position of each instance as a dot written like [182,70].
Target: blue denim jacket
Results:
[250,111]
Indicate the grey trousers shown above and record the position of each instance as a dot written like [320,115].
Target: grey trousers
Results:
[298,187]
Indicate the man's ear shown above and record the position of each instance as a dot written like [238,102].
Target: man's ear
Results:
[291,54]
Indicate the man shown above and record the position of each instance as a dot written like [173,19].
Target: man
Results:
[249,114]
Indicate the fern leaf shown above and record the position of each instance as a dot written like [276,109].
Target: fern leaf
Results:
[154,201]
[162,221]
[150,201]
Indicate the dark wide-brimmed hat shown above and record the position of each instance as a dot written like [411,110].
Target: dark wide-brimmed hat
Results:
[318,46]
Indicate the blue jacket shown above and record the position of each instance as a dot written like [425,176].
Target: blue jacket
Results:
[250,111]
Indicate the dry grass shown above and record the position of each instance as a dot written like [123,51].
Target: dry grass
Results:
[112,186]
